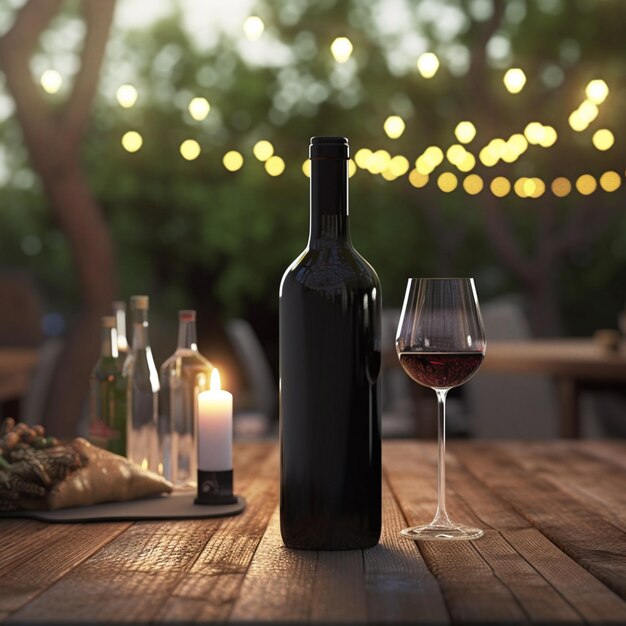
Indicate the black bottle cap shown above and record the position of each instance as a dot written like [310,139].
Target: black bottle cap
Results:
[329,148]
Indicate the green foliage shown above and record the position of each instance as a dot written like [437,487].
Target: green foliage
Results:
[193,234]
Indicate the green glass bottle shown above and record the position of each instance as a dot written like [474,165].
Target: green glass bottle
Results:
[107,428]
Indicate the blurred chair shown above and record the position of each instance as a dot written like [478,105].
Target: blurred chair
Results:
[255,421]
[510,405]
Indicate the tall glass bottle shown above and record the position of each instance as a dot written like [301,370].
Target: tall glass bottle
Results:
[119,310]
[185,374]
[142,389]
[107,427]
[330,324]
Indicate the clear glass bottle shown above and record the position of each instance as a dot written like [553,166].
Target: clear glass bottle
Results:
[183,376]
[142,391]
[119,310]
[107,427]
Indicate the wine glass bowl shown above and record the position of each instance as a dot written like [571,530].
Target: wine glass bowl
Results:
[441,344]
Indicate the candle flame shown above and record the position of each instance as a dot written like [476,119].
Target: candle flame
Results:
[215,384]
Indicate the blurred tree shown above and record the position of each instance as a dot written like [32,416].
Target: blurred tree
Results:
[54,140]
[192,233]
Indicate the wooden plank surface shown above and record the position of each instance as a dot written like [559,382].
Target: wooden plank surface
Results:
[554,550]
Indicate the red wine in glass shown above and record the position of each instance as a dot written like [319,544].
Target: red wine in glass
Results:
[441,369]
[441,343]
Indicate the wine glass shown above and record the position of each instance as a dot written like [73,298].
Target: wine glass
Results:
[441,343]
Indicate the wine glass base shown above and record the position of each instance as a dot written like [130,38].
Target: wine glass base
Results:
[442,533]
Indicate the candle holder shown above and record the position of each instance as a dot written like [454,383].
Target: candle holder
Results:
[215,487]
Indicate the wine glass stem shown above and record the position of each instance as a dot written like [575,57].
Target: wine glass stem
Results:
[441,516]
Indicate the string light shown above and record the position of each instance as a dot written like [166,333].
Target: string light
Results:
[518,143]
[253,27]
[428,64]
[447,182]
[417,179]
[561,187]
[586,184]
[597,91]
[126,95]
[423,165]
[388,175]
[199,108]
[351,168]
[577,122]
[514,80]
[549,137]
[341,49]
[361,157]
[274,166]
[603,139]
[190,149]
[465,132]
[519,186]
[398,165]
[467,163]
[588,111]
[500,186]
[488,156]
[455,153]
[51,81]
[263,150]
[232,160]
[378,161]
[534,132]
[610,181]
[306,168]
[473,184]
[394,126]
[132,141]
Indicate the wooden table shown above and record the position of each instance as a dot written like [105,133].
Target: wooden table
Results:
[554,550]
[576,365]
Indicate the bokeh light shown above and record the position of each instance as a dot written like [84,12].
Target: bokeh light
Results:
[394,126]
[447,182]
[306,168]
[549,137]
[190,149]
[378,161]
[51,81]
[465,131]
[500,186]
[603,139]
[428,64]
[418,179]
[586,184]
[588,111]
[488,156]
[126,96]
[263,150]
[561,187]
[610,181]
[455,153]
[361,157]
[467,163]
[232,160]
[351,168]
[514,80]
[274,166]
[534,132]
[253,27]
[341,49]
[597,91]
[473,184]
[199,108]
[132,141]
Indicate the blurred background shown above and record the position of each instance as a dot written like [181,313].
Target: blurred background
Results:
[160,148]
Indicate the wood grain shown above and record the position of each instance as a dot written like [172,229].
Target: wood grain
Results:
[577,529]
[554,550]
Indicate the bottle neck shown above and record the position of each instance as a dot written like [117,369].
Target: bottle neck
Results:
[120,324]
[109,343]
[329,202]
[140,328]
[187,335]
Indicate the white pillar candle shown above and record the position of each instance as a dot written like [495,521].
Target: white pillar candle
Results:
[215,427]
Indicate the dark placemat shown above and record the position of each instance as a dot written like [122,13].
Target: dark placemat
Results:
[175,506]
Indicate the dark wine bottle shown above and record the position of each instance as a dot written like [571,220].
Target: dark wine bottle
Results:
[330,316]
